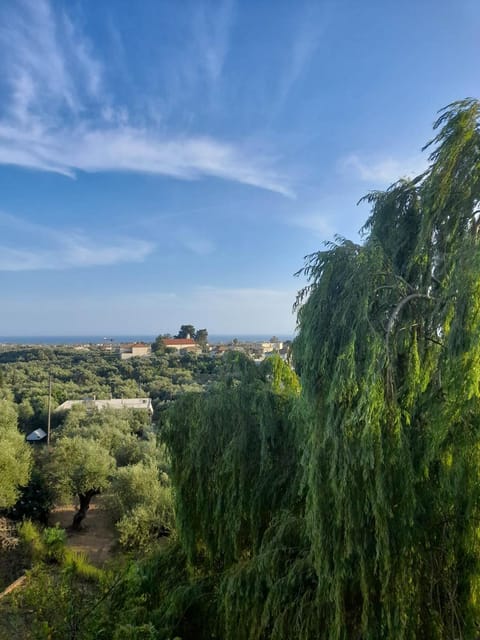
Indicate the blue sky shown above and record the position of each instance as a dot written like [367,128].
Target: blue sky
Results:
[168,162]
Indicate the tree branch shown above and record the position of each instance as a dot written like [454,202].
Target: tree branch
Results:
[399,307]
[397,311]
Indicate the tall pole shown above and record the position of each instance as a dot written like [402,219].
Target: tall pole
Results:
[49,409]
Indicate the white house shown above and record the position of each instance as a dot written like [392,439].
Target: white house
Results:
[135,350]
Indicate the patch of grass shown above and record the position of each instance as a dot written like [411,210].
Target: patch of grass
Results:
[77,561]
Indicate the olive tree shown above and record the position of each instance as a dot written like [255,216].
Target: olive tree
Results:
[82,468]
[15,456]
[142,504]
[93,448]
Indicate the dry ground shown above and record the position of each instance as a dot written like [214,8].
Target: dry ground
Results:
[97,536]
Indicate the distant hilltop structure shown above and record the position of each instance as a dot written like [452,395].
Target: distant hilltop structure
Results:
[182,344]
[135,350]
[256,350]
[114,403]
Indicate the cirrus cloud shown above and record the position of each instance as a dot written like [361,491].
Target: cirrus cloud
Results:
[40,247]
[383,170]
[58,114]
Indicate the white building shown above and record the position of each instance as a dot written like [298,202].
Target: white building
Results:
[135,350]
[114,403]
[182,344]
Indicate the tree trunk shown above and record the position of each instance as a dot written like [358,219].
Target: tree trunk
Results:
[81,514]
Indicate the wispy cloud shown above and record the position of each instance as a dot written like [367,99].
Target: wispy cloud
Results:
[306,40]
[211,29]
[59,116]
[47,64]
[382,170]
[38,247]
[134,150]
[318,224]
[197,244]
[167,231]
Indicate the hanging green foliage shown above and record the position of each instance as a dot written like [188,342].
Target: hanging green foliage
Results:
[389,356]
[272,594]
[239,511]
[233,460]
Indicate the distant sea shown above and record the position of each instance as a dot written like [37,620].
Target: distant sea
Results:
[101,339]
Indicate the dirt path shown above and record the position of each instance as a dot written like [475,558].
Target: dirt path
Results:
[97,537]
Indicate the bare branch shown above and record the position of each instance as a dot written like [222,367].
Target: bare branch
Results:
[398,310]
[399,307]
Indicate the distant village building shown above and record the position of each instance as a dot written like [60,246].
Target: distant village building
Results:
[107,346]
[274,345]
[218,350]
[182,344]
[135,350]
[256,350]
[114,403]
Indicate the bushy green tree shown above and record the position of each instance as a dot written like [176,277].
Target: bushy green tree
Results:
[158,346]
[201,336]
[126,434]
[186,331]
[15,456]
[35,499]
[115,450]
[26,414]
[142,504]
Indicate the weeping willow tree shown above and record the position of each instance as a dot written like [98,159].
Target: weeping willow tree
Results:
[389,358]
[232,462]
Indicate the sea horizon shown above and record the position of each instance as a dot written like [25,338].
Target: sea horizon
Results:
[26,340]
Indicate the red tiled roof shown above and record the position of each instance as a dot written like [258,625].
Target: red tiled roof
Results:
[177,341]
